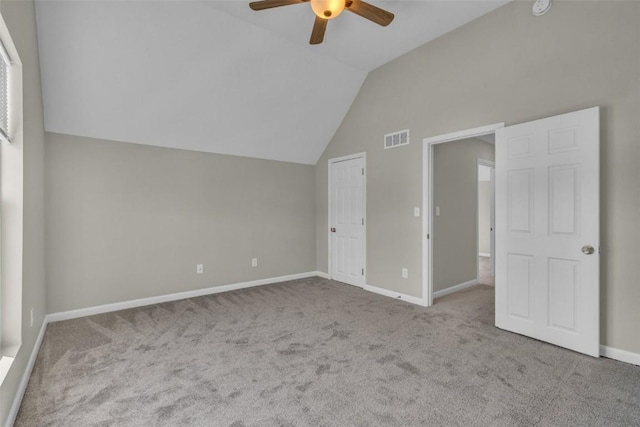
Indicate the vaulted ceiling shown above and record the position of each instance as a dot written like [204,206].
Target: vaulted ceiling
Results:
[215,76]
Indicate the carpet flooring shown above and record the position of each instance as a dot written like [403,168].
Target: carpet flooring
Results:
[314,352]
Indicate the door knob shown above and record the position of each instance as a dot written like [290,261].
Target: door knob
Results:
[333,229]
[588,250]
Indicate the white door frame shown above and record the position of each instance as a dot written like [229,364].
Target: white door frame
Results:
[330,162]
[492,203]
[427,199]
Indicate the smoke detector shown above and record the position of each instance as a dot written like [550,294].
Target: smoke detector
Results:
[540,7]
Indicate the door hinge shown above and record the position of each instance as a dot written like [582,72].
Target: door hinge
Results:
[363,271]
[428,236]
[362,221]
[362,171]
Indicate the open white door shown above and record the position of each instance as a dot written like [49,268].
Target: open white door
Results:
[347,220]
[547,230]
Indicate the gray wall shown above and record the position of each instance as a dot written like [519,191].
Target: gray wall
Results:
[484,217]
[506,66]
[127,221]
[455,191]
[20,19]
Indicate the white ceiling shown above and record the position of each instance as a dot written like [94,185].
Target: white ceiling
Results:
[215,76]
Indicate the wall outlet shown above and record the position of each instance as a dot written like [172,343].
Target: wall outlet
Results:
[405,273]
[199,268]
[32,317]
[254,262]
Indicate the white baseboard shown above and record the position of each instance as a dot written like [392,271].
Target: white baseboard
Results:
[621,355]
[22,387]
[455,288]
[484,254]
[322,274]
[89,311]
[396,295]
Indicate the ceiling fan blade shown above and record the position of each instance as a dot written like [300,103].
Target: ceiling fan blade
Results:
[268,4]
[370,12]
[319,27]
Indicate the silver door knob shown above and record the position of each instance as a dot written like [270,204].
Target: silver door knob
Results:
[588,250]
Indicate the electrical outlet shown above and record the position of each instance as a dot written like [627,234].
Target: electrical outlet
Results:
[32,317]
[199,268]
[405,273]
[254,262]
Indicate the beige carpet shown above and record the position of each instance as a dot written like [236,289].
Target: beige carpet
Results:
[317,353]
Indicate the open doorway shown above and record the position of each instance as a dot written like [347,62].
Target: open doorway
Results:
[486,221]
[450,203]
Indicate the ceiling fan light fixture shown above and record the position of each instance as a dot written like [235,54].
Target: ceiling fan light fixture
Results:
[327,9]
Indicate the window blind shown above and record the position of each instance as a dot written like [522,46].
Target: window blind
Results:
[4,93]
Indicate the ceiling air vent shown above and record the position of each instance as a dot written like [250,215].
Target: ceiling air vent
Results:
[396,139]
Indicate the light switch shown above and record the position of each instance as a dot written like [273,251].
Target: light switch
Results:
[416,211]
[437,210]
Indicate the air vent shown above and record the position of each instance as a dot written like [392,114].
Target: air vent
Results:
[396,139]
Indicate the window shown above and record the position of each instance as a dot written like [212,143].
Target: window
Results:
[11,200]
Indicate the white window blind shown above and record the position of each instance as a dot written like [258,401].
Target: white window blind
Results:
[5,63]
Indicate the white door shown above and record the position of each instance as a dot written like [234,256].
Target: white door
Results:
[547,230]
[347,221]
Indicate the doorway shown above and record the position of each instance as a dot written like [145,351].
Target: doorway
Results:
[431,210]
[347,219]
[455,233]
[486,221]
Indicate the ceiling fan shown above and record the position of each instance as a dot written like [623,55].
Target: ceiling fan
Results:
[329,9]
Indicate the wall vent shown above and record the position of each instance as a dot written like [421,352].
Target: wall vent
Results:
[396,139]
